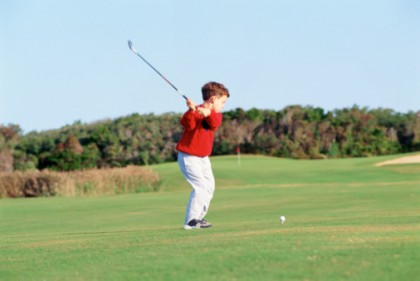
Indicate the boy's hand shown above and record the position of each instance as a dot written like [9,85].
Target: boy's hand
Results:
[191,105]
[204,111]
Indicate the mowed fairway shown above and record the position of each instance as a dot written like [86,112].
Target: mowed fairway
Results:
[345,220]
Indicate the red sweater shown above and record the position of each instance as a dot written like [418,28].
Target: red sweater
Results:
[197,138]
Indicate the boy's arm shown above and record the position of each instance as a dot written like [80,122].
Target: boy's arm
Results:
[214,120]
[188,120]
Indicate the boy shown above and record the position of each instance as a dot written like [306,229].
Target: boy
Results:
[200,122]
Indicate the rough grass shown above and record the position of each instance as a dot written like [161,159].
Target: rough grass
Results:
[359,224]
[130,179]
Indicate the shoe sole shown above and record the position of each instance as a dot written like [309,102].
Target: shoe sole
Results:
[198,226]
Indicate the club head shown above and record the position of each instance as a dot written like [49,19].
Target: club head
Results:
[130,45]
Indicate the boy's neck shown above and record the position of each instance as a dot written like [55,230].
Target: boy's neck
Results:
[208,105]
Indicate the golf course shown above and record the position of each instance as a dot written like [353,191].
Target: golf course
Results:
[346,219]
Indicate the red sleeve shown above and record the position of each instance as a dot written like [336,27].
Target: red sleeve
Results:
[214,120]
[188,120]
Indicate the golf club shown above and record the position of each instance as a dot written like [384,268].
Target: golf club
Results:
[130,44]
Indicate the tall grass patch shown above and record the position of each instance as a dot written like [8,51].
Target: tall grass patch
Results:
[131,179]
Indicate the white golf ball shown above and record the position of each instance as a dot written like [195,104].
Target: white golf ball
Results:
[282,219]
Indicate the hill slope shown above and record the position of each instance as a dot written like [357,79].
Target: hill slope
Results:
[262,170]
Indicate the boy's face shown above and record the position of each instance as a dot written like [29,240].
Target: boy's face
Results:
[219,103]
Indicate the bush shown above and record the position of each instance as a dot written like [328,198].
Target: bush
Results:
[28,184]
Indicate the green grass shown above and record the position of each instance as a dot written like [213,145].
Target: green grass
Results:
[346,220]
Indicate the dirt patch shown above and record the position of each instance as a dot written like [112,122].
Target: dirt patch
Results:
[414,159]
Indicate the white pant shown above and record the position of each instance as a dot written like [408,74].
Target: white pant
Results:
[197,171]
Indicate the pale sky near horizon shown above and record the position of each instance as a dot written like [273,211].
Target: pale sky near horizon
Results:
[67,61]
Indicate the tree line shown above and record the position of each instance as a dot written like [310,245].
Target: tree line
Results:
[293,132]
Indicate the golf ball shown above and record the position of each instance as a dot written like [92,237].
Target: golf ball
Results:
[282,219]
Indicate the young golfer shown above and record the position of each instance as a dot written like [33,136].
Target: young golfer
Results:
[195,147]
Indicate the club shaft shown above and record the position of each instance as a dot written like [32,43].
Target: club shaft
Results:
[160,74]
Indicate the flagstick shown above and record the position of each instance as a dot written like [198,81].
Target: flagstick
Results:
[238,150]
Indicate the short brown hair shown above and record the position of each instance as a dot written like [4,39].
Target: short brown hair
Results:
[212,89]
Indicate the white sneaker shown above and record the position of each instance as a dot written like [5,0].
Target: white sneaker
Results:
[193,224]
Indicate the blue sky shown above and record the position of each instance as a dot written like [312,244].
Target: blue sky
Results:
[65,61]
